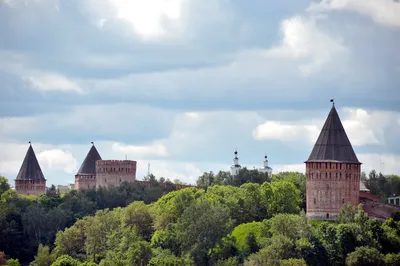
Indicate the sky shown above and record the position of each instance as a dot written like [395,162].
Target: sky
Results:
[181,84]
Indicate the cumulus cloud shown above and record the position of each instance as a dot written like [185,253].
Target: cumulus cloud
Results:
[301,168]
[139,151]
[58,159]
[385,12]
[385,163]
[53,82]
[362,127]
[285,131]
[302,39]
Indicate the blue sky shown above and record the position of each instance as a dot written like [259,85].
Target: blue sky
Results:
[180,84]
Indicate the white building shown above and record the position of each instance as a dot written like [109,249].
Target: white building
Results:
[235,167]
[266,168]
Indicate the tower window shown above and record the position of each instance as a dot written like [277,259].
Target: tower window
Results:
[315,201]
[327,186]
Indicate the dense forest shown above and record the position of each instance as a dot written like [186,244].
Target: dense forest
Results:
[243,220]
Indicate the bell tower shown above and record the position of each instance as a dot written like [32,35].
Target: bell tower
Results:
[235,167]
[333,171]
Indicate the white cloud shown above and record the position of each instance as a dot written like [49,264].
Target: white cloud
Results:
[302,39]
[58,159]
[184,171]
[286,131]
[289,168]
[151,19]
[17,64]
[381,11]
[53,82]
[369,126]
[157,149]
[362,127]
[385,163]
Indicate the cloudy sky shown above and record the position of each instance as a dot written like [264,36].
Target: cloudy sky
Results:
[180,84]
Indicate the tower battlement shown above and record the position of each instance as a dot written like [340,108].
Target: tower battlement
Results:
[114,172]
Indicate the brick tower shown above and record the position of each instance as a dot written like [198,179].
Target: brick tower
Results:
[86,176]
[333,171]
[114,172]
[30,179]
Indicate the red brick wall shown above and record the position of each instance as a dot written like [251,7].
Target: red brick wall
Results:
[85,182]
[329,186]
[30,187]
[113,172]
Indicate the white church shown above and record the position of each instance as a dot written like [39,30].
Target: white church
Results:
[235,167]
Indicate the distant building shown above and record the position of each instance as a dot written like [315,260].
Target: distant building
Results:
[394,200]
[64,189]
[30,179]
[113,172]
[86,176]
[266,168]
[333,171]
[235,167]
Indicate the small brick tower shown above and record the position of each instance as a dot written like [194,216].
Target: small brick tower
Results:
[333,171]
[86,176]
[30,179]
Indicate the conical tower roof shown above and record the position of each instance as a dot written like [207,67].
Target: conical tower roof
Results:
[30,169]
[333,143]
[89,164]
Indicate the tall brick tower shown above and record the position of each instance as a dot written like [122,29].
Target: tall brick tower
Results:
[333,171]
[30,179]
[86,176]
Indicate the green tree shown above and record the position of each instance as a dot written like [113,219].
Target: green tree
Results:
[13,262]
[392,259]
[201,228]
[65,260]
[4,186]
[365,256]
[44,257]
[138,214]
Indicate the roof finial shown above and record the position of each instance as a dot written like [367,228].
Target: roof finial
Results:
[333,101]
[92,143]
[30,144]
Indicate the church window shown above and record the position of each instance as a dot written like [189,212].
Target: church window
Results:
[327,216]
[327,186]
[105,180]
[315,201]
[343,200]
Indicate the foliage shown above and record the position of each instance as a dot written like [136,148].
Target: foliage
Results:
[293,262]
[245,220]
[365,256]
[385,186]
[13,262]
